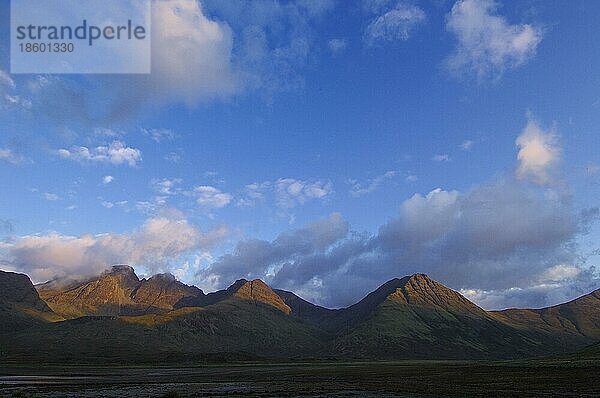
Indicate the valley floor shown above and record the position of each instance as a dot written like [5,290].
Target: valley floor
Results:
[356,379]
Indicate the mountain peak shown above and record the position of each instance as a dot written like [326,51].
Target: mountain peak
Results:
[117,291]
[121,269]
[164,277]
[420,289]
[258,291]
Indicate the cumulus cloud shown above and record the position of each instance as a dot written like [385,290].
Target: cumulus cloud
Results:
[395,24]
[287,192]
[502,243]
[107,180]
[166,186]
[253,258]
[291,192]
[191,54]
[558,284]
[539,153]
[358,189]
[495,237]
[116,153]
[201,51]
[212,198]
[488,44]
[155,245]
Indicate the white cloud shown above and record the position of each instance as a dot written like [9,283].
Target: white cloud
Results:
[111,133]
[8,155]
[159,135]
[441,158]
[487,44]
[107,179]
[274,40]
[166,186]
[211,197]
[51,196]
[6,80]
[287,192]
[359,189]
[173,157]
[539,153]
[337,46]
[107,204]
[291,192]
[559,273]
[396,24]
[191,54]
[255,192]
[504,243]
[467,145]
[116,153]
[195,59]
[155,245]
[8,93]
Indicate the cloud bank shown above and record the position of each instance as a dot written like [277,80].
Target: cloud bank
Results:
[116,153]
[154,246]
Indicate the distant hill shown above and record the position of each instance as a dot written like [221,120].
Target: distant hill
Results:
[255,291]
[575,322]
[116,317]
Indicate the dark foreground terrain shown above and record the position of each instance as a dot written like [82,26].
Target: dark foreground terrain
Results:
[551,378]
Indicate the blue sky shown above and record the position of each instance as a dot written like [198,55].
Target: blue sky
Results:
[322,146]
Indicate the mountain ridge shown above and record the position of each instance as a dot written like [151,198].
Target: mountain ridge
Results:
[410,317]
[117,291]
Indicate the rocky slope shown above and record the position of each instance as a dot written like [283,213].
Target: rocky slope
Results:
[117,292]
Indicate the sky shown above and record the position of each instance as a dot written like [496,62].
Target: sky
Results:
[323,146]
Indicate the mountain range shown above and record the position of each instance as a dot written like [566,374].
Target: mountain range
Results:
[117,317]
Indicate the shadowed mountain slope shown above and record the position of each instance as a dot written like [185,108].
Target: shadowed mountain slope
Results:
[307,311]
[20,304]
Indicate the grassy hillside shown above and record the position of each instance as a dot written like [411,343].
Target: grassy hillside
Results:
[234,330]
